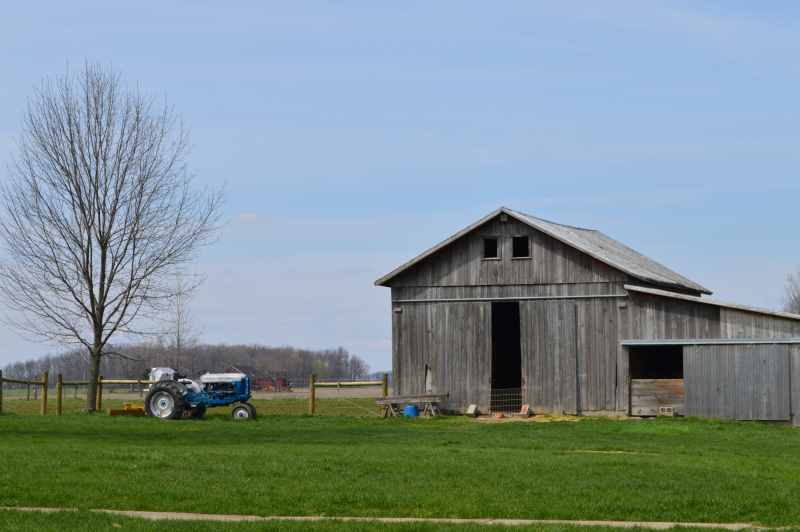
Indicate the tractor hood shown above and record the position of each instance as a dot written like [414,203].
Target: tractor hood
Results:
[222,377]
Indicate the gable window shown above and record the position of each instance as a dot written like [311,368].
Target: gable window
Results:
[490,248]
[520,247]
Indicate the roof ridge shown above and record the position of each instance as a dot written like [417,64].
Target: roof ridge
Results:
[553,222]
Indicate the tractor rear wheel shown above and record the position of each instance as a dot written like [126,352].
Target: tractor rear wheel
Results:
[243,412]
[165,400]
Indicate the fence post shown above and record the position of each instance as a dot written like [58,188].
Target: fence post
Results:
[44,393]
[385,385]
[99,403]
[59,392]
[28,389]
[312,394]
[1,391]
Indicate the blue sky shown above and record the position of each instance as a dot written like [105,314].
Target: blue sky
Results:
[353,135]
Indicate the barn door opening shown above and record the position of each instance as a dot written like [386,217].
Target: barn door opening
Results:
[506,358]
[656,374]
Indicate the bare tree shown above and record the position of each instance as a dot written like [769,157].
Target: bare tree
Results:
[98,213]
[793,292]
[182,333]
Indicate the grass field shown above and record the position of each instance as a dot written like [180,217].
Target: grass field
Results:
[655,470]
[345,406]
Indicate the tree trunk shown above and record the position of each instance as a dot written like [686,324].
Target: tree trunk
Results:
[94,373]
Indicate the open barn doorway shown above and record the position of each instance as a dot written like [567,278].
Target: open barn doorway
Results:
[506,358]
[656,374]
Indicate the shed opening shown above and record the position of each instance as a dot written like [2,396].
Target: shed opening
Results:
[506,388]
[656,362]
[656,374]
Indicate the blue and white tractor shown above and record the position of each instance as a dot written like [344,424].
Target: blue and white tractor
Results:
[174,396]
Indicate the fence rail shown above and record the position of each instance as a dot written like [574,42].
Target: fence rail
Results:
[60,384]
[313,385]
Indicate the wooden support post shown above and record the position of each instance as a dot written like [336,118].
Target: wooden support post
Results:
[312,394]
[59,393]
[44,393]
[28,388]
[1,391]
[99,403]
[385,385]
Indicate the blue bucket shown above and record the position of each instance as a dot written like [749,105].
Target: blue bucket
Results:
[411,411]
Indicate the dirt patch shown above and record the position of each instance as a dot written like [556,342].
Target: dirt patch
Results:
[182,516]
[523,419]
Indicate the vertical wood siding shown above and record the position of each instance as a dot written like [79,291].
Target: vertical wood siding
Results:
[741,324]
[454,340]
[647,317]
[552,262]
[748,382]
[569,353]
[794,382]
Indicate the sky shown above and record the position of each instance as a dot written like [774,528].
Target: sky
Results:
[351,136]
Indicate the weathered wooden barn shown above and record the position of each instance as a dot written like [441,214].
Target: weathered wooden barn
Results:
[519,310]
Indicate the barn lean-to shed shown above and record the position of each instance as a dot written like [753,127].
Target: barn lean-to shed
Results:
[517,310]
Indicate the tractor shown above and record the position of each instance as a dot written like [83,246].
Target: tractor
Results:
[174,396]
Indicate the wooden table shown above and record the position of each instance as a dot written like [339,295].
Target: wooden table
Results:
[429,403]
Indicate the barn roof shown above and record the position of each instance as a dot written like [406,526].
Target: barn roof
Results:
[589,241]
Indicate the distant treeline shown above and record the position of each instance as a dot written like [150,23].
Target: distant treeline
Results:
[133,361]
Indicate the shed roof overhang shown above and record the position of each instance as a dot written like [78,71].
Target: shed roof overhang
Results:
[710,341]
[706,301]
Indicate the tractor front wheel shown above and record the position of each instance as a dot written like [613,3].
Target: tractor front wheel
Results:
[244,411]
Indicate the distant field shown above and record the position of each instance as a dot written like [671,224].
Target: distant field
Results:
[655,470]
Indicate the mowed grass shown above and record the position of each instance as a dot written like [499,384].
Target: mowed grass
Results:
[654,470]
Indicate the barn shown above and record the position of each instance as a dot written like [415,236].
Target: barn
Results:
[515,310]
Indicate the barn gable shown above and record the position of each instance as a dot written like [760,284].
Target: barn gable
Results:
[558,254]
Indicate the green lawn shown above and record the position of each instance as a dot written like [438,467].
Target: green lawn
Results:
[656,470]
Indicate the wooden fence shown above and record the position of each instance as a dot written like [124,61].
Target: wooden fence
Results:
[44,383]
[383,383]
[313,385]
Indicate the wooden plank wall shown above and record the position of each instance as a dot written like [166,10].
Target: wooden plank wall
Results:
[794,380]
[647,395]
[552,262]
[454,340]
[568,347]
[742,324]
[548,330]
[646,317]
[741,381]
[709,377]
[569,354]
